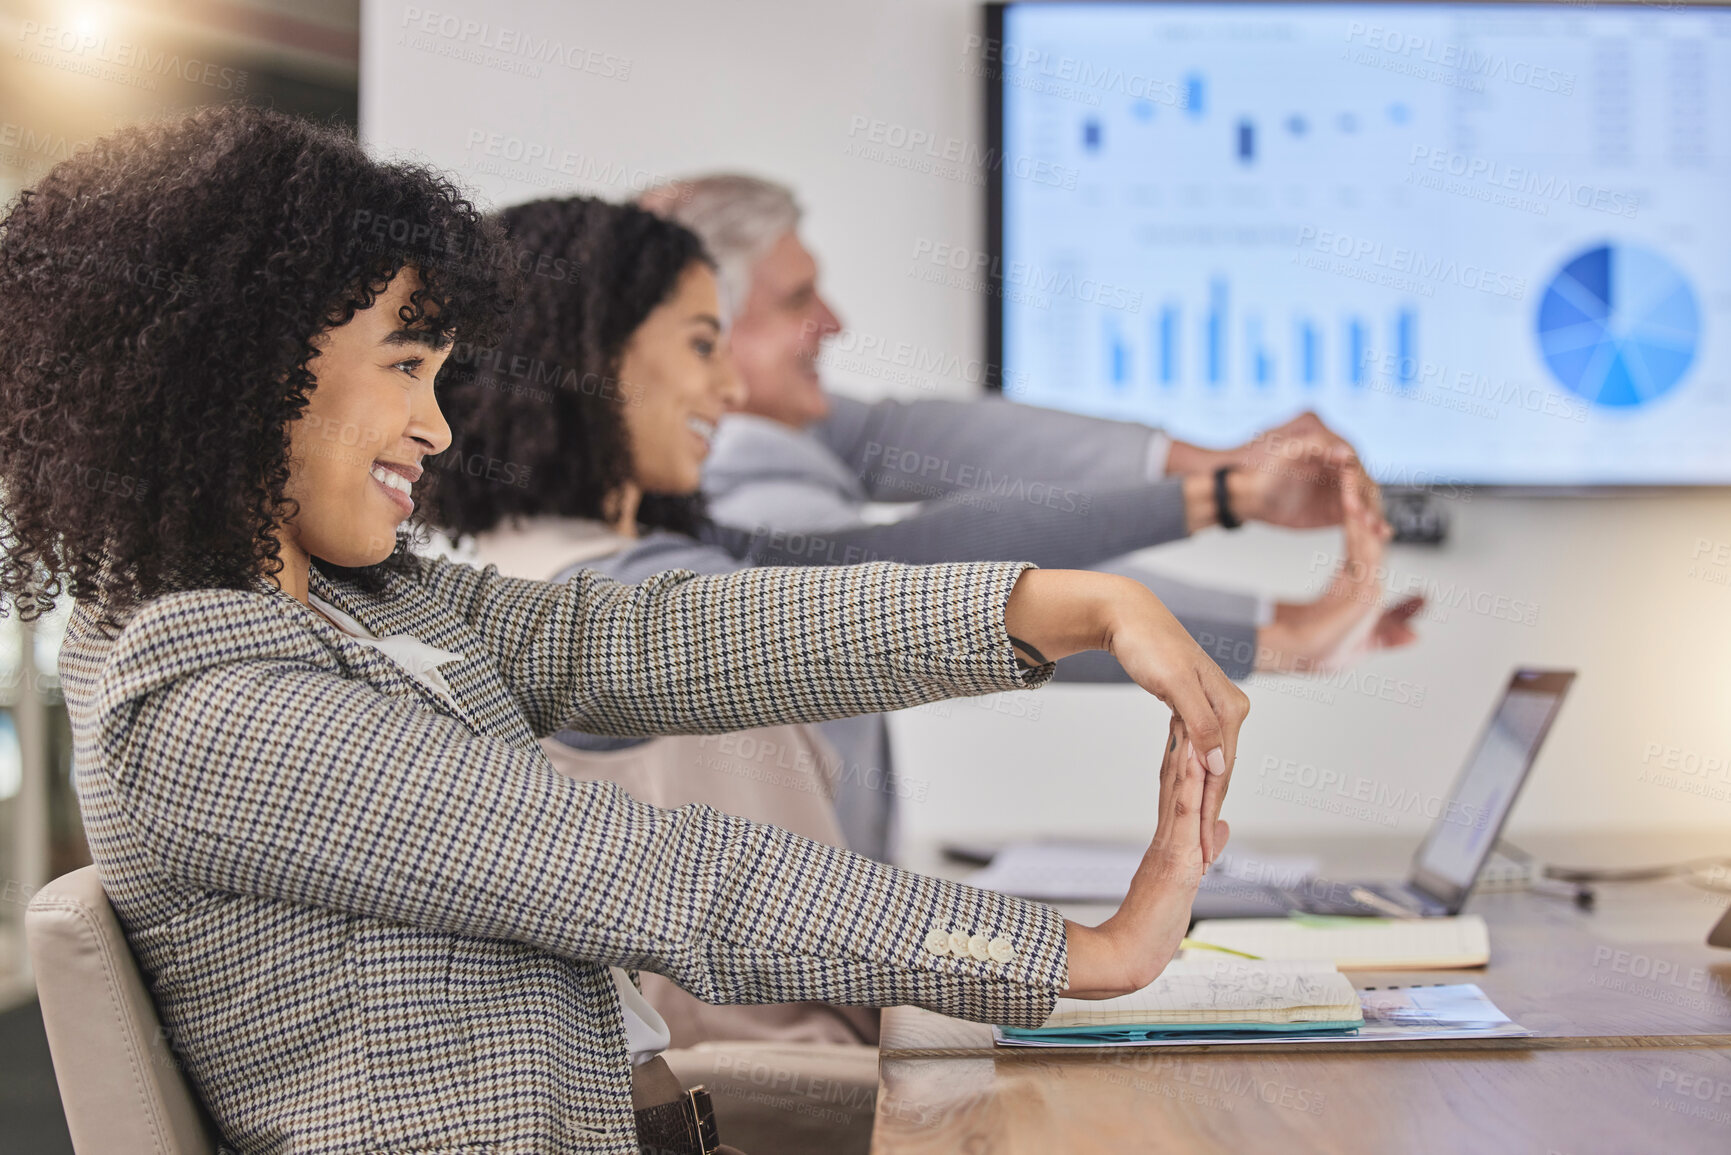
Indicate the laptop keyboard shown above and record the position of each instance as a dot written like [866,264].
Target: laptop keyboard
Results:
[1323,897]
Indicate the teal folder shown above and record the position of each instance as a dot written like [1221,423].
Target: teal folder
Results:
[1200,1032]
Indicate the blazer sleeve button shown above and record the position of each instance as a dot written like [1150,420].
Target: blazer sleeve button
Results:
[959,944]
[979,947]
[1001,950]
[938,941]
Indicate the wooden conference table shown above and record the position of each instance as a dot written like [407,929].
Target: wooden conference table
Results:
[1633,1051]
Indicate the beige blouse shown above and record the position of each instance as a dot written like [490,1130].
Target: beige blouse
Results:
[782,775]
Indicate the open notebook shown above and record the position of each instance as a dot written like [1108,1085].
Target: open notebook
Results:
[1357,943]
[1216,996]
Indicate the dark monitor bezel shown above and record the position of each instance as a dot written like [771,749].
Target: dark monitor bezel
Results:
[1452,895]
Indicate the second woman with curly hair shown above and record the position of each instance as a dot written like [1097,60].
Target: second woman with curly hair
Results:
[370,914]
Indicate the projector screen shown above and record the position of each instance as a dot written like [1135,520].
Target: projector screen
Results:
[1489,243]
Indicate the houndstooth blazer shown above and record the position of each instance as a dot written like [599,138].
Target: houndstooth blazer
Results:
[376,921]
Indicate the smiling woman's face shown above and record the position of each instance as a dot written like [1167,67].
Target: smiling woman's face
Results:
[677,381]
[358,445]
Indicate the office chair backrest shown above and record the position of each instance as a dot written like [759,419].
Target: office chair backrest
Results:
[120,1081]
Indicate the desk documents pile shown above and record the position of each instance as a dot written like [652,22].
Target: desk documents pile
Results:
[1201,999]
[1213,996]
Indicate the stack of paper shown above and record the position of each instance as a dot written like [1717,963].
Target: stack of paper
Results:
[1391,1014]
[1357,943]
[1217,996]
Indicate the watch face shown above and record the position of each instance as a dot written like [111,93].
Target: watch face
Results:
[708,1134]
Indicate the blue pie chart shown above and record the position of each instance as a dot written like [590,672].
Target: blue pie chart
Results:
[1619,325]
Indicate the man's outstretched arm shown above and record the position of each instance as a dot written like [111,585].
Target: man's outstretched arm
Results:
[958,445]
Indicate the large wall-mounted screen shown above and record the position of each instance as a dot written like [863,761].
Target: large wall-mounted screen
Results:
[1491,243]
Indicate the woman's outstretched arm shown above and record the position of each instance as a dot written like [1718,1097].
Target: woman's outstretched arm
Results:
[680,654]
[684,654]
[259,768]
[687,654]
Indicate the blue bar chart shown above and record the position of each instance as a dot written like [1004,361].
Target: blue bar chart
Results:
[1355,348]
[1308,350]
[1256,348]
[1168,340]
[1214,333]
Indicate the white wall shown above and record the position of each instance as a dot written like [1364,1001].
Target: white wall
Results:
[779,89]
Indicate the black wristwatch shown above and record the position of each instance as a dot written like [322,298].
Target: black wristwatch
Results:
[1223,500]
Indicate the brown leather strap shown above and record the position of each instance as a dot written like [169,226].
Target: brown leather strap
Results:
[654,1083]
[670,1119]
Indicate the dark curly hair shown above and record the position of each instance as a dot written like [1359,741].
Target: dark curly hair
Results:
[539,423]
[159,296]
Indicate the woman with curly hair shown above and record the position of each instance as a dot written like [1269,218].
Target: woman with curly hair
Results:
[370,914]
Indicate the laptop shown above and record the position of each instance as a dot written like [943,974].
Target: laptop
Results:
[1466,829]
[1721,934]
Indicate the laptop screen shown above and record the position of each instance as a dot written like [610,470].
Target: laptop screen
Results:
[1465,832]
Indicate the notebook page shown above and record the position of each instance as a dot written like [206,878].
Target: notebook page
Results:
[1221,991]
[1366,944]
[1201,961]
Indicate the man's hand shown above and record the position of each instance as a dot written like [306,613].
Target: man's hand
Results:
[1348,621]
[1290,476]
[1296,474]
